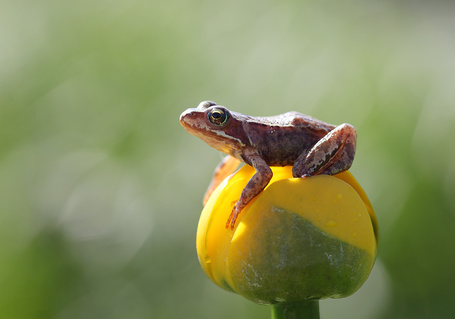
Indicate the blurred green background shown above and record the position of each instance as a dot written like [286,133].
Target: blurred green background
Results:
[100,187]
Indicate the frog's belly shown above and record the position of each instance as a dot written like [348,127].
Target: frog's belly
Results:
[280,149]
[282,158]
[285,162]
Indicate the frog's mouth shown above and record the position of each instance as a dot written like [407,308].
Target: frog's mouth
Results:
[216,139]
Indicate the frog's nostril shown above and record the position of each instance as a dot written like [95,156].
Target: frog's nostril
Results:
[187,115]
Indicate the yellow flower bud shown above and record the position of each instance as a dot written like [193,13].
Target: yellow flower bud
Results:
[301,238]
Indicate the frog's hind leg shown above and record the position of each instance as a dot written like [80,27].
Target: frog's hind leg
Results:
[332,154]
[225,168]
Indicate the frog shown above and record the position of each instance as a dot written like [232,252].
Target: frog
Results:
[311,146]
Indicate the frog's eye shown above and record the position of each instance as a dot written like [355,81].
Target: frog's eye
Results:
[205,105]
[218,116]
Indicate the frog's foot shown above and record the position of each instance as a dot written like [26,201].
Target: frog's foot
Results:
[227,166]
[333,154]
[230,223]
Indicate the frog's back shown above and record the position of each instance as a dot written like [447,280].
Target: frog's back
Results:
[297,120]
[281,139]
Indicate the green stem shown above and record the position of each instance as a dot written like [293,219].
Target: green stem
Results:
[307,309]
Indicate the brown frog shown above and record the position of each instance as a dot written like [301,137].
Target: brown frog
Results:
[311,146]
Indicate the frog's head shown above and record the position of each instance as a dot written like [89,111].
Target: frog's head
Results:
[216,126]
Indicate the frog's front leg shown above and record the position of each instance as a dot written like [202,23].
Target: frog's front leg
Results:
[225,168]
[332,154]
[255,185]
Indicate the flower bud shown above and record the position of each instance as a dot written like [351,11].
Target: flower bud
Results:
[300,239]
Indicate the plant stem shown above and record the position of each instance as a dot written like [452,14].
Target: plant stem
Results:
[307,309]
